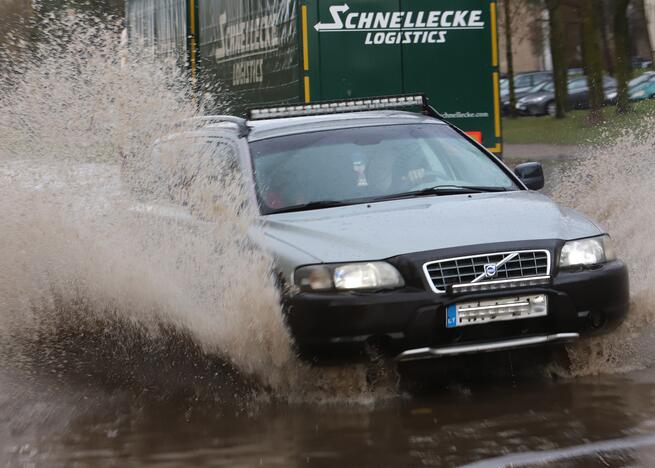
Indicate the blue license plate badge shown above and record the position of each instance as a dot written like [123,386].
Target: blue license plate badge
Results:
[451,316]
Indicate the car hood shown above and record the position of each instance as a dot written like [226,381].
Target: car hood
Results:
[535,96]
[386,229]
[517,94]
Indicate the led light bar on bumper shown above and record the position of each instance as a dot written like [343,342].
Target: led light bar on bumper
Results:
[348,277]
[500,284]
[333,107]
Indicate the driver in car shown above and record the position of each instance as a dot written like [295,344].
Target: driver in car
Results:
[387,173]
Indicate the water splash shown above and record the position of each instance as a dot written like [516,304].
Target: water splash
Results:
[101,272]
[613,184]
[76,126]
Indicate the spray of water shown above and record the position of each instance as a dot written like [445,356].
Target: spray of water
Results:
[103,269]
[76,132]
[613,184]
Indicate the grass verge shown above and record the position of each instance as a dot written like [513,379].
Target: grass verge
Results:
[575,129]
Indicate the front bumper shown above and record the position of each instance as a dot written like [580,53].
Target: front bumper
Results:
[532,108]
[336,324]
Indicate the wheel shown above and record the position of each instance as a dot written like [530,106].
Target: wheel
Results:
[551,108]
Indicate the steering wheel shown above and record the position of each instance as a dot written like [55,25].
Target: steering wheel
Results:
[418,177]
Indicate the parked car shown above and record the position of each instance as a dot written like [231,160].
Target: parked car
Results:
[534,89]
[643,90]
[646,76]
[523,82]
[542,101]
[640,63]
[394,229]
[634,86]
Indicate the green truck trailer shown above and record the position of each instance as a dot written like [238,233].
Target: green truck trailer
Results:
[267,52]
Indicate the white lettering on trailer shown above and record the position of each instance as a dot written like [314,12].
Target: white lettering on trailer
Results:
[381,20]
[414,37]
[335,11]
[247,72]
[401,27]
[245,38]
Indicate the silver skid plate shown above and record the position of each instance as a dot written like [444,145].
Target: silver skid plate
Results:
[501,345]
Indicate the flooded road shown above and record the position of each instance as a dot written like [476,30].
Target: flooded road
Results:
[597,420]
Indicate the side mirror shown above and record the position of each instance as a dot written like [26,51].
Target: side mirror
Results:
[531,174]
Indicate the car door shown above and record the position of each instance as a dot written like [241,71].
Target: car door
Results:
[578,95]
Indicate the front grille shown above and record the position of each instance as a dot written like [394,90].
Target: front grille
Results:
[466,270]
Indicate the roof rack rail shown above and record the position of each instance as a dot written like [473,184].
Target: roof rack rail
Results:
[347,105]
[203,121]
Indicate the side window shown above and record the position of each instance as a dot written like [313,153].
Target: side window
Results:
[578,85]
[522,81]
[193,168]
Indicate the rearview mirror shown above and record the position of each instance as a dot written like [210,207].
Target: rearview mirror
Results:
[531,174]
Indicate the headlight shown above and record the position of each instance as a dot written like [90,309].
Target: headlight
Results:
[587,252]
[612,95]
[641,93]
[349,276]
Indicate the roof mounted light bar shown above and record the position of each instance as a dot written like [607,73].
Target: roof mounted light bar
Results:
[205,121]
[350,105]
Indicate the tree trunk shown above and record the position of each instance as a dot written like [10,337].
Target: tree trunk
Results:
[557,39]
[642,26]
[607,50]
[592,58]
[622,54]
[509,58]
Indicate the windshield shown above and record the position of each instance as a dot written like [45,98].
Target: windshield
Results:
[641,79]
[642,86]
[543,86]
[355,165]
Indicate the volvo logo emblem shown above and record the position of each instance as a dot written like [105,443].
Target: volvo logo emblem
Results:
[490,270]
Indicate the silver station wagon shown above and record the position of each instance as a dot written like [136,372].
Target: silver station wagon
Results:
[392,228]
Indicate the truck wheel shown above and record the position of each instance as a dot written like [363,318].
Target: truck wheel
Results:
[551,108]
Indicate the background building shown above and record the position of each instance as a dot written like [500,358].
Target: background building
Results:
[649,7]
[530,41]
[529,37]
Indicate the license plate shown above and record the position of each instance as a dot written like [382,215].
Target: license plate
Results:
[496,310]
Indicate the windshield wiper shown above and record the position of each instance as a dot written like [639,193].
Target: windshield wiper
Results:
[436,190]
[461,189]
[442,190]
[315,205]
